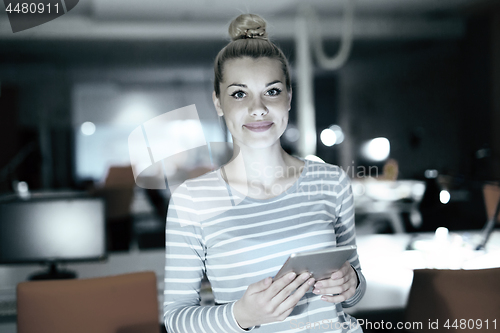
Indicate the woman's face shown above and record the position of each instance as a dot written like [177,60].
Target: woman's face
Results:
[254,101]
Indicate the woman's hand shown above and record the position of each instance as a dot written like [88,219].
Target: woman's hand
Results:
[342,284]
[267,301]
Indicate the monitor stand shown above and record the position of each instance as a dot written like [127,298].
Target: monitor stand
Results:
[53,274]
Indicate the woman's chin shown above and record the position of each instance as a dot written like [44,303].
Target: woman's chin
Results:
[261,144]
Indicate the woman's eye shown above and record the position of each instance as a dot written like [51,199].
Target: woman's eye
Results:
[273,92]
[238,94]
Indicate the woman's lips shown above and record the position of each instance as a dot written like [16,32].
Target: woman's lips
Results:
[259,126]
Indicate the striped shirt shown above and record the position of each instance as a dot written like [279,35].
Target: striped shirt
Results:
[237,240]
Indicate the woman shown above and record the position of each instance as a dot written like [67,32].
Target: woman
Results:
[238,224]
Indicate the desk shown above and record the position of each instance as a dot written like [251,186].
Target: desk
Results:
[117,263]
[388,267]
[388,200]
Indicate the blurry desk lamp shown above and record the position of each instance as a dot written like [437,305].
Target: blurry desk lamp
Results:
[52,230]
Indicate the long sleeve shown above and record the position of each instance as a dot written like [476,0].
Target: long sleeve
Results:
[184,269]
[346,234]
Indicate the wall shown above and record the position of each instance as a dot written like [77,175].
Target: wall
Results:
[411,99]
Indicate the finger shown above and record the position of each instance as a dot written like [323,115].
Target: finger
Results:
[338,298]
[332,290]
[342,276]
[328,283]
[338,286]
[285,314]
[290,302]
[291,287]
[259,286]
[281,283]
[344,270]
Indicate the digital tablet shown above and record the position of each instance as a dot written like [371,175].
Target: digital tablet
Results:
[321,263]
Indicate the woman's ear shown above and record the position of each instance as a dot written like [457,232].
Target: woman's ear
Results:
[217,104]
[290,99]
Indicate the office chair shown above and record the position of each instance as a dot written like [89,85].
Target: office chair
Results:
[491,194]
[116,304]
[449,295]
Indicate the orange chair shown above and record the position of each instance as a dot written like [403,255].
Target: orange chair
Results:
[491,192]
[449,295]
[116,304]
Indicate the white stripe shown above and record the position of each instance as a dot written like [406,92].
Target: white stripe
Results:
[349,198]
[261,207]
[351,260]
[266,233]
[180,292]
[208,199]
[217,317]
[198,199]
[259,224]
[347,241]
[199,319]
[224,314]
[208,318]
[208,188]
[176,244]
[172,280]
[347,210]
[344,222]
[292,195]
[323,182]
[271,256]
[182,233]
[183,222]
[229,290]
[203,178]
[348,230]
[186,309]
[191,317]
[183,268]
[268,244]
[243,276]
[182,256]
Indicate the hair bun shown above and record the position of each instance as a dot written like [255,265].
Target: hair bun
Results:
[248,26]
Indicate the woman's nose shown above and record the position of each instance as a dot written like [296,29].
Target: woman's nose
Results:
[258,108]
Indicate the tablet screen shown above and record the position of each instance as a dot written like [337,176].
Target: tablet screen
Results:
[321,263]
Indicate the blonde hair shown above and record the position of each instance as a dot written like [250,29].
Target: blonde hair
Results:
[249,39]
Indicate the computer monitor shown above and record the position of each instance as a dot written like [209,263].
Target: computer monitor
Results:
[52,231]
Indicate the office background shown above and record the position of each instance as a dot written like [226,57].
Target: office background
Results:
[423,74]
